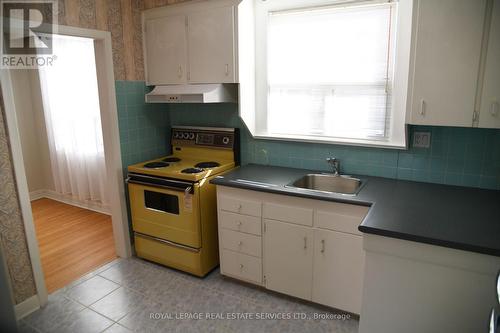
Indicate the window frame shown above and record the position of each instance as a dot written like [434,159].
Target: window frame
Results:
[402,24]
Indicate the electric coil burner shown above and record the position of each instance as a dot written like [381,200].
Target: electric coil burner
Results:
[155,165]
[173,203]
[192,170]
[207,165]
[171,159]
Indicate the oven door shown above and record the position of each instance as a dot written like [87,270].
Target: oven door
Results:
[166,209]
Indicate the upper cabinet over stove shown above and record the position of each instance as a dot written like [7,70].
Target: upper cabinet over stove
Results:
[193,42]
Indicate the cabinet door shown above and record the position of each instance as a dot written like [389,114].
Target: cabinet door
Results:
[166,50]
[211,46]
[338,270]
[288,256]
[489,116]
[446,61]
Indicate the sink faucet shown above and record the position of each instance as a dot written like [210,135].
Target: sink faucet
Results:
[335,163]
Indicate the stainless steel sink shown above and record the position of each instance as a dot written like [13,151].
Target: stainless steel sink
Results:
[329,183]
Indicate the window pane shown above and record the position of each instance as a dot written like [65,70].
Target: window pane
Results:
[328,71]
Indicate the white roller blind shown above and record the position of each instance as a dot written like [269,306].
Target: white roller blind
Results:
[330,72]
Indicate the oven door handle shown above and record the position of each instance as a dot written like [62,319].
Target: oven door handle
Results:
[164,241]
[161,183]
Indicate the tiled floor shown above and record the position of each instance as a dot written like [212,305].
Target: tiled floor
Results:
[123,295]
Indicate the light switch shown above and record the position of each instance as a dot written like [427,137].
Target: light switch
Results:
[421,139]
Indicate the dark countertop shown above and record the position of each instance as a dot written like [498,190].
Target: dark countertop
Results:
[451,216]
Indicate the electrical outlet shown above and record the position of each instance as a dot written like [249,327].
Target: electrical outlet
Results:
[421,139]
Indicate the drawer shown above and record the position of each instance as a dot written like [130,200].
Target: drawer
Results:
[168,255]
[241,266]
[244,223]
[240,206]
[347,219]
[285,213]
[240,242]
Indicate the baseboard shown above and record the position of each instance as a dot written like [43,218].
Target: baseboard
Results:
[26,307]
[38,194]
[50,194]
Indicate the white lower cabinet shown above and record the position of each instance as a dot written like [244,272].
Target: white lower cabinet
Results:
[306,248]
[338,270]
[288,260]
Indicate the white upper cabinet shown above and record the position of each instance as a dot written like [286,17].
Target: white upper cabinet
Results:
[166,50]
[211,46]
[192,42]
[489,115]
[446,56]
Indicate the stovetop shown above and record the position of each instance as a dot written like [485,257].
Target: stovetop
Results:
[185,168]
[197,153]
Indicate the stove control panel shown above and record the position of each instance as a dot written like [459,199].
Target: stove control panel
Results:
[222,138]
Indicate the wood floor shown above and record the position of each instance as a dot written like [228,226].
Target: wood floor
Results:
[72,241]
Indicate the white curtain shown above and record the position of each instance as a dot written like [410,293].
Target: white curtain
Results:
[73,121]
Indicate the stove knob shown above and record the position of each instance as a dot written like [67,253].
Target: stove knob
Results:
[225,140]
[191,136]
[186,135]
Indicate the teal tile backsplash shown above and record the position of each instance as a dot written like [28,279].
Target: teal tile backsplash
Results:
[144,128]
[457,156]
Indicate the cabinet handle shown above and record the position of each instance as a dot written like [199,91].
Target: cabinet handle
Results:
[179,72]
[239,224]
[240,243]
[227,69]
[322,246]
[305,243]
[423,106]
[239,208]
[475,115]
[494,109]
[241,267]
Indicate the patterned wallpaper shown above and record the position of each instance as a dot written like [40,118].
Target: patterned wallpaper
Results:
[12,236]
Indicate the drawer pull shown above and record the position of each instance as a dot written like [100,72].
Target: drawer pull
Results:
[305,243]
[239,224]
[322,246]
[241,267]
[239,208]
[240,243]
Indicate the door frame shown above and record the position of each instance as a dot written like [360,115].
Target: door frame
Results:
[112,152]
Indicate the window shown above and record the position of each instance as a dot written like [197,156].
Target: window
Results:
[327,72]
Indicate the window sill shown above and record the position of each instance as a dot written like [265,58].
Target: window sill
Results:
[334,141]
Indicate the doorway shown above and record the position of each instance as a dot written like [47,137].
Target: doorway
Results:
[115,210]
[63,152]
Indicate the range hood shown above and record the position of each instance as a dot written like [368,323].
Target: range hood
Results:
[194,93]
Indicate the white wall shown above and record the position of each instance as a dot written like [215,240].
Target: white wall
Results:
[32,131]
